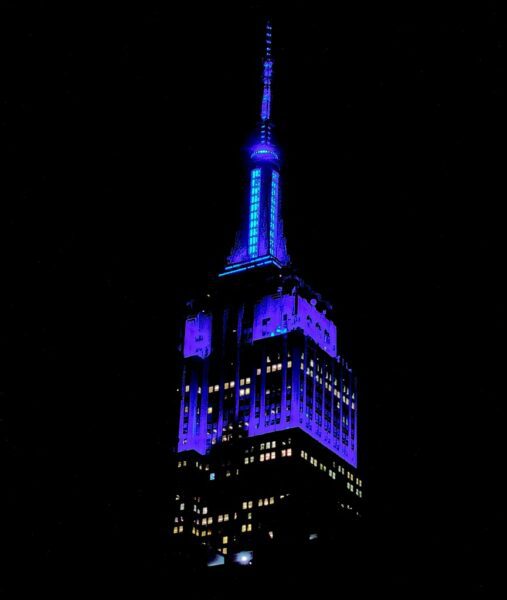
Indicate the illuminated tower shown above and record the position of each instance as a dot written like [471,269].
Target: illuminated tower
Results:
[268,406]
[260,239]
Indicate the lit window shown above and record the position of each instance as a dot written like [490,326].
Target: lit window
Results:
[224,550]
[250,504]
[273,445]
[262,446]
[220,518]
[217,387]
[268,369]
[226,385]
[210,410]
[268,445]
[244,505]
[248,380]
[259,503]
[261,457]
[273,211]
[249,516]
[246,461]
[187,388]
[212,476]
[272,500]
[175,530]
[241,382]
[205,510]
[258,371]
[225,539]
[289,451]
[243,528]
[273,455]
[182,506]
[180,528]
[226,517]
[255,196]
[289,364]
[247,391]
[241,392]
[249,527]
[232,384]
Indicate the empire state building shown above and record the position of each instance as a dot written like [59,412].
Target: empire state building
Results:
[267,451]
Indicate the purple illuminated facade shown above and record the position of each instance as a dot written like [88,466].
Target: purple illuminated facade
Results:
[261,364]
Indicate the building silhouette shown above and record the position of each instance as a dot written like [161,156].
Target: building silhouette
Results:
[268,428]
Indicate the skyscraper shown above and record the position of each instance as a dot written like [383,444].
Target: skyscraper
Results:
[268,435]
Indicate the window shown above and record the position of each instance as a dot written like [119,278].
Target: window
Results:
[250,504]
[255,197]
[225,539]
[244,505]
[273,212]
[182,506]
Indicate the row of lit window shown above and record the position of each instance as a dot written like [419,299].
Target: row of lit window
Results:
[204,533]
[313,461]
[267,456]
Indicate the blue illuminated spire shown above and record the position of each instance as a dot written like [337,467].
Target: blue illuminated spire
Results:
[260,240]
[265,137]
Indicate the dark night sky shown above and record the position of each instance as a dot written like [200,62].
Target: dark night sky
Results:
[124,130]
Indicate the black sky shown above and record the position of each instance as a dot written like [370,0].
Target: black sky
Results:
[124,130]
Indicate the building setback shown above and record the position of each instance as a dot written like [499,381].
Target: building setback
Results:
[268,429]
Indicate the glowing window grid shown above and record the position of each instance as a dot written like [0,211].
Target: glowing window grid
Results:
[255,198]
[273,211]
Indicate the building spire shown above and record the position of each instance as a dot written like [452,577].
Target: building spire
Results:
[265,126]
[260,240]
